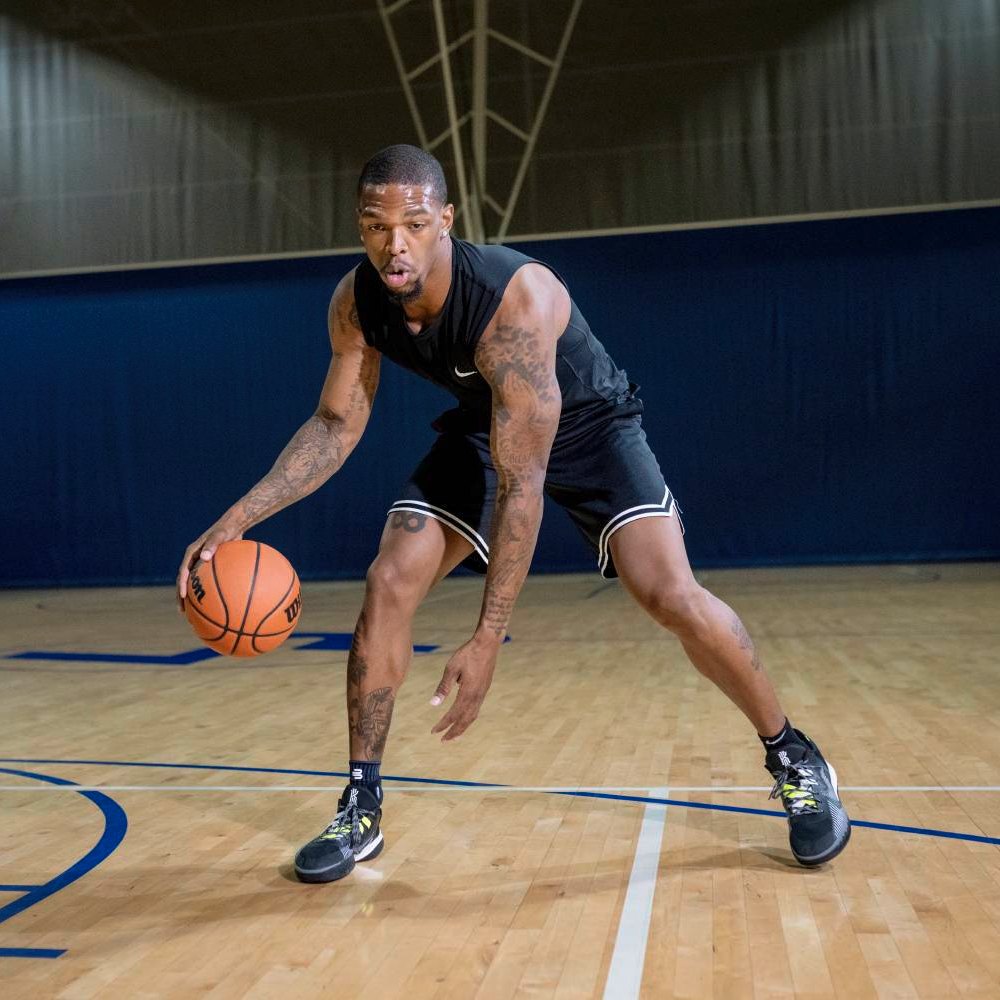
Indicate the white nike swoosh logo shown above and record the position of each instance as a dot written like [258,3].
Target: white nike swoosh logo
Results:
[465,374]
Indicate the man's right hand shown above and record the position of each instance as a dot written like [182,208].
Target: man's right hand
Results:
[203,549]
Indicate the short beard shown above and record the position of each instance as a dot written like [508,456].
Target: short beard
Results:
[410,295]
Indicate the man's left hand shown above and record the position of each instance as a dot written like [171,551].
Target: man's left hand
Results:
[471,667]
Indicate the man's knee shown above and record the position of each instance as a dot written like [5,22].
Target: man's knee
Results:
[679,607]
[391,583]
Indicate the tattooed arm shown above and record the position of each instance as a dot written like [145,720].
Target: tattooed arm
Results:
[319,447]
[516,356]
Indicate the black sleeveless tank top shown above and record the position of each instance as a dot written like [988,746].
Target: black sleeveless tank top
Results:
[444,352]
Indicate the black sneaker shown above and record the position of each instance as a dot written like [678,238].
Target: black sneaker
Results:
[818,826]
[353,835]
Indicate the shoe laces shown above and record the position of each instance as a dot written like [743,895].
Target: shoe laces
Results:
[347,822]
[794,783]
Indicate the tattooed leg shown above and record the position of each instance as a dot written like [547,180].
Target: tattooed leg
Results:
[371,693]
[370,717]
[718,644]
[416,551]
[650,558]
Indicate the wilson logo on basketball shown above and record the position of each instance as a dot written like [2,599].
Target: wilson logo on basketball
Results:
[293,609]
[197,587]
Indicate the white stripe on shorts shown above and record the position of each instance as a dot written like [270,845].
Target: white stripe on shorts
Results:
[665,508]
[469,533]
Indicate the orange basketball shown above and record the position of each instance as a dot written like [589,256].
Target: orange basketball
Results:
[245,600]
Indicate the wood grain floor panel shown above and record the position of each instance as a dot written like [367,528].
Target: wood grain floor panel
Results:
[508,894]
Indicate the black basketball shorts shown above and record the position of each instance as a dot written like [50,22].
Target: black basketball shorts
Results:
[602,473]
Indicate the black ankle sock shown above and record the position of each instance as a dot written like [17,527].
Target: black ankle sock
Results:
[782,738]
[365,774]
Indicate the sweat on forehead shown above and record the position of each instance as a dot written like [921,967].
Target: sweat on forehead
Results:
[413,197]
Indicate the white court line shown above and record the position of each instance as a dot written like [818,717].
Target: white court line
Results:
[625,972]
[567,789]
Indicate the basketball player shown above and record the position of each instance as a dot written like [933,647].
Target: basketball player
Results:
[542,408]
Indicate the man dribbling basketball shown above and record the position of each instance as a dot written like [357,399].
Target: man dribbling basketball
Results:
[542,409]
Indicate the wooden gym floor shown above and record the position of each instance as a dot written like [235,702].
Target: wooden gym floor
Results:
[164,870]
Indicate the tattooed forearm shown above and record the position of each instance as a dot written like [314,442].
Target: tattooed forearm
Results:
[313,455]
[743,638]
[369,718]
[516,516]
[518,360]
[497,609]
[516,520]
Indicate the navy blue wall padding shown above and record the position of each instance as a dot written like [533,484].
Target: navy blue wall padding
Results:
[816,392]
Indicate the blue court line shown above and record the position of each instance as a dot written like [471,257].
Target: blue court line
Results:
[31,952]
[920,831]
[175,660]
[333,641]
[340,641]
[115,825]
[17,888]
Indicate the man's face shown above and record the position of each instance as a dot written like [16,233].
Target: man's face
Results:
[404,230]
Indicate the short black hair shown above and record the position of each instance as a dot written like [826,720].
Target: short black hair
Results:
[403,164]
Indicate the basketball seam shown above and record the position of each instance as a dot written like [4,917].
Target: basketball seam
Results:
[256,632]
[259,635]
[270,635]
[222,596]
[246,611]
[211,621]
